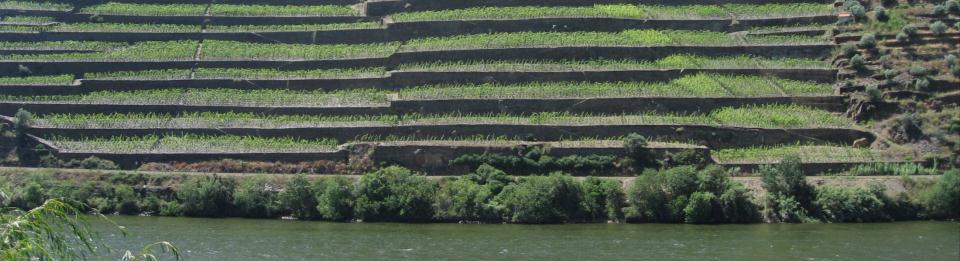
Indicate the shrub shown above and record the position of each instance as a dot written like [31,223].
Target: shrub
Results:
[950,60]
[784,208]
[943,199]
[918,71]
[205,196]
[636,148]
[465,199]
[91,162]
[952,6]
[299,198]
[880,14]
[857,62]
[910,30]
[395,194]
[903,37]
[921,83]
[848,50]
[788,193]
[21,123]
[858,11]
[255,198]
[701,209]
[30,196]
[938,28]
[939,10]
[542,199]
[335,198]
[873,93]
[126,200]
[490,176]
[737,206]
[536,161]
[889,3]
[852,204]
[868,41]
[603,199]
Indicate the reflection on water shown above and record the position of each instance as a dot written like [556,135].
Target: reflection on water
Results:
[249,239]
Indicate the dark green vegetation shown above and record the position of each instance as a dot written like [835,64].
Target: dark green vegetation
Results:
[676,195]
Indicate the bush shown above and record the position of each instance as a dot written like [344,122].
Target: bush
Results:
[857,62]
[205,196]
[873,93]
[939,10]
[789,196]
[910,30]
[702,208]
[737,206]
[938,28]
[903,37]
[542,199]
[868,41]
[91,162]
[943,199]
[255,197]
[852,204]
[950,60]
[395,194]
[952,6]
[918,71]
[299,198]
[335,198]
[921,84]
[465,199]
[21,123]
[603,199]
[636,148]
[126,200]
[536,161]
[848,50]
[880,14]
[30,196]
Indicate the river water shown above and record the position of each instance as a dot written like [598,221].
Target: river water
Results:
[250,239]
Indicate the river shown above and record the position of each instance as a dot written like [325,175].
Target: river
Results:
[251,239]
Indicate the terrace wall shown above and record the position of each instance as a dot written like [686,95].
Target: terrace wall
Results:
[134,160]
[415,78]
[414,29]
[712,136]
[383,7]
[608,52]
[208,19]
[9,68]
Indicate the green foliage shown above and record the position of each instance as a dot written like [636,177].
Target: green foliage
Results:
[470,197]
[603,199]
[910,30]
[127,200]
[938,28]
[535,160]
[943,199]
[852,204]
[903,37]
[542,199]
[684,194]
[702,208]
[395,194]
[788,193]
[335,198]
[299,198]
[21,123]
[205,196]
[873,93]
[868,41]
[255,197]
[939,10]
[849,50]
[857,62]
[880,14]
[952,6]
[31,195]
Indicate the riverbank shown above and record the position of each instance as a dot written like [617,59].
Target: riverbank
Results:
[706,195]
[247,239]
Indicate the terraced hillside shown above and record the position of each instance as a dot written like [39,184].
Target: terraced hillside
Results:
[341,85]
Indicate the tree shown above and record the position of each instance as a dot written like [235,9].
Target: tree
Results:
[254,197]
[299,198]
[542,199]
[205,196]
[335,198]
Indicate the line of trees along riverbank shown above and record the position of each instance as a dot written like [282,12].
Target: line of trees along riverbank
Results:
[393,194]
